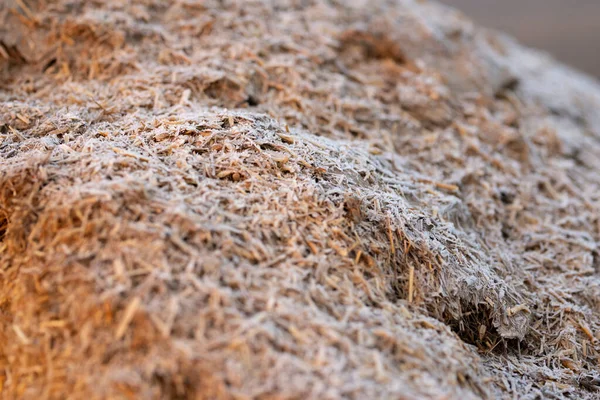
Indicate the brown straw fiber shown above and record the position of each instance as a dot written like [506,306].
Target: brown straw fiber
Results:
[292,199]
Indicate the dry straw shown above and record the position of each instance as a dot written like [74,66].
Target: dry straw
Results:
[292,199]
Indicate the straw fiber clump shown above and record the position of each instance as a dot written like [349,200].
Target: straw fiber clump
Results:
[292,199]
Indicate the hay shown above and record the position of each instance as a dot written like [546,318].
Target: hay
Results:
[292,199]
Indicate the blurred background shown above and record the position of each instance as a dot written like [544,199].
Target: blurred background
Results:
[568,29]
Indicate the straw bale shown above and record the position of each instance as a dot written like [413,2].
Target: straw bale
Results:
[292,199]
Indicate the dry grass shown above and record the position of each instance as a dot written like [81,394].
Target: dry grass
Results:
[236,200]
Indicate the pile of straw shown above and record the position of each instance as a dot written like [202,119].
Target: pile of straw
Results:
[292,199]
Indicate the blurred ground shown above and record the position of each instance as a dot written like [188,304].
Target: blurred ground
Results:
[567,29]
